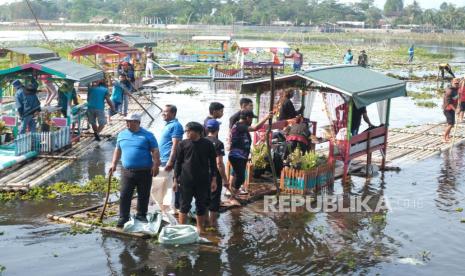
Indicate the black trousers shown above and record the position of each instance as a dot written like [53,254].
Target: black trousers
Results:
[200,190]
[140,179]
[239,166]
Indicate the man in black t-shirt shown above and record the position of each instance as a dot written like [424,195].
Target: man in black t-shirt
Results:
[240,143]
[213,127]
[195,172]
[357,114]
[287,110]
[216,110]
[246,105]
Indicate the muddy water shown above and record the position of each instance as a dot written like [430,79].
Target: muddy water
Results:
[420,234]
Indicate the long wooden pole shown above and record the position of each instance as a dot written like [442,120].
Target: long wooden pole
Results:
[268,132]
[102,214]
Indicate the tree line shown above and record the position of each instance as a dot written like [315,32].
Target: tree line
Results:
[256,12]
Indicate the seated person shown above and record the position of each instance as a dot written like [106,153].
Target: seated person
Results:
[298,135]
[287,110]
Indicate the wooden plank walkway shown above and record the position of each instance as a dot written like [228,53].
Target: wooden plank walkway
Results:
[37,171]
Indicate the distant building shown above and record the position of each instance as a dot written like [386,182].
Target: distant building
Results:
[282,23]
[351,24]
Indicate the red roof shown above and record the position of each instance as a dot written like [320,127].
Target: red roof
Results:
[110,47]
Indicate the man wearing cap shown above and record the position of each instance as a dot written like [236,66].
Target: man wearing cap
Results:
[27,106]
[449,107]
[138,150]
[195,172]
[363,59]
[213,127]
[96,97]
[241,141]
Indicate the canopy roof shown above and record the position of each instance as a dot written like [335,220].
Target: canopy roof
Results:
[105,47]
[261,44]
[212,37]
[33,53]
[59,68]
[363,85]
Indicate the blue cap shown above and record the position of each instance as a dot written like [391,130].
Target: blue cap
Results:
[16,83]
[213,124]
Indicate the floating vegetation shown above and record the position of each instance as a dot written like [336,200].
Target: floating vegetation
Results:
[75,230]
[96,185]
[420,95]
[2,268]
[427,104]
[459,209]
[188,91]
[462,221]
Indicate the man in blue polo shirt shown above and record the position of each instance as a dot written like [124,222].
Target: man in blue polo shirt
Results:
[170,137]
[96,96]
[138,150]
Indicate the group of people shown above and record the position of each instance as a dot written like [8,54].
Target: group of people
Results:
[362,58]
[194,166]
[28,105]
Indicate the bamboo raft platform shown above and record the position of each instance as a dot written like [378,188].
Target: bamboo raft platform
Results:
[24,176]
[408,145]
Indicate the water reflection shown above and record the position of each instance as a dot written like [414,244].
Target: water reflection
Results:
[451,170]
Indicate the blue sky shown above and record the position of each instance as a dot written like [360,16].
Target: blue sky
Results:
[425,4]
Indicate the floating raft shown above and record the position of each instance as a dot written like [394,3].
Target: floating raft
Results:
[407,145]
[37,171]
[87,218]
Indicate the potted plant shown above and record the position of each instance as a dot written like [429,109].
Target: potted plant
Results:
[306,173]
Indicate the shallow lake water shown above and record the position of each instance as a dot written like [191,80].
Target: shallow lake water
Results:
[421,233]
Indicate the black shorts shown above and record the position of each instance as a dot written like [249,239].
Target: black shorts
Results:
[214,199]
[197,190]
[450,116]
[462,106]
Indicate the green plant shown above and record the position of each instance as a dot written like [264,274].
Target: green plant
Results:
[259,153]
[3,127]
[306,161]
[427,104]
[96,185]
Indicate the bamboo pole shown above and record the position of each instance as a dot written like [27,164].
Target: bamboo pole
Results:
[102,214]
[268,132]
